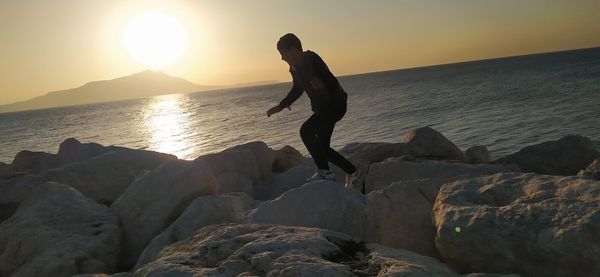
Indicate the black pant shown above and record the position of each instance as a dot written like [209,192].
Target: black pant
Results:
[316,135]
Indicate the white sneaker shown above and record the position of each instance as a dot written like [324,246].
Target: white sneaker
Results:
[355,180]
[322,175]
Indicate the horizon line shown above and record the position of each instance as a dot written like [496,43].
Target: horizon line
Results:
[216,88]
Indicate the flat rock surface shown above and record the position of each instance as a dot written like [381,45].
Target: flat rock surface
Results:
[272,250]
[322,204]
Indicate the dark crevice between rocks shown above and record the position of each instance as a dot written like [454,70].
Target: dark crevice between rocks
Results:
[352,253]
[105,202]
[7,210]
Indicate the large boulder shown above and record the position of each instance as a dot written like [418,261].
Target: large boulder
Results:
[13,191]
[57,231]
[242,162]
[271,250]
[235,182]
[566,156]
[286,158]
[535,225]
[263,155]
[426,142]
[322,204]
[381,174]
[71,150]
[592,171]
[104,177]
[477,155]
[370,152]
[204,211]
[29,161]
[280,183]
[400,217]
[151,203]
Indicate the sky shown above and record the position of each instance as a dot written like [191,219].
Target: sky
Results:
[49,45]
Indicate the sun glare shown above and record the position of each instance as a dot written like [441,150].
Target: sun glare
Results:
[154,39]
[166,123]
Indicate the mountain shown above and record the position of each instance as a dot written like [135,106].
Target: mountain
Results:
[140,85]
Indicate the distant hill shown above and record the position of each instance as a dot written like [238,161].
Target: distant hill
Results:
[140,85]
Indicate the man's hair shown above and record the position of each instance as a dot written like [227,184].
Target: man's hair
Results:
[288,41]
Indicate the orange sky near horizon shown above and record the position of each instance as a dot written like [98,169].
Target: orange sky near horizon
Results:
[49,45]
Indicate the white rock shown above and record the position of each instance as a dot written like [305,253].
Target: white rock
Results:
[370,152]
[71,150]
[592,171]
[105,176]
[429,143]
[235,182]
[31,162]
[535,225]
[153,202]
[58,232]
[477,155]
[286,158]
[386,261]
[264,156]
[322,204]
[566,156]
[204,211]
[271,250]
[292,178]
[12,192]
[241,162]
[381,174]
[400,217]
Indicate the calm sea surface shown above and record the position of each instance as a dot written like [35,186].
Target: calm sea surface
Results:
[504,104]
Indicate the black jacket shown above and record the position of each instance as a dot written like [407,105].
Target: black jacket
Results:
[314,77]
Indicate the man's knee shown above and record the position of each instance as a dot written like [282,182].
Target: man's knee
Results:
[306,130]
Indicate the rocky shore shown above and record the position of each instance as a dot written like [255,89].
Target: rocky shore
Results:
[423,207]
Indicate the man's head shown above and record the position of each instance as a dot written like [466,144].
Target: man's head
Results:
[290,48]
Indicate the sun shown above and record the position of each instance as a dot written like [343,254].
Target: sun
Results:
[154,39]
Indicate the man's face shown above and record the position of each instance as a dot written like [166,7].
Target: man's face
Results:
[291,56]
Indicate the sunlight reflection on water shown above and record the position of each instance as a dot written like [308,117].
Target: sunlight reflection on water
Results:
[167,125]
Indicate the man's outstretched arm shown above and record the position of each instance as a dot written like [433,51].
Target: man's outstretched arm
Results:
[292,96]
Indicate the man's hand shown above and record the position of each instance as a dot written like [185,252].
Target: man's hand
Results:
[275,110]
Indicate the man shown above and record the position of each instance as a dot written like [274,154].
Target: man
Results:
[328,101]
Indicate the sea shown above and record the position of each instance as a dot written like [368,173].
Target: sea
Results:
[504,104]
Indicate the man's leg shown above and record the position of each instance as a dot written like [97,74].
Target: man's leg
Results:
[308,133]
[316,134]
[324,132]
